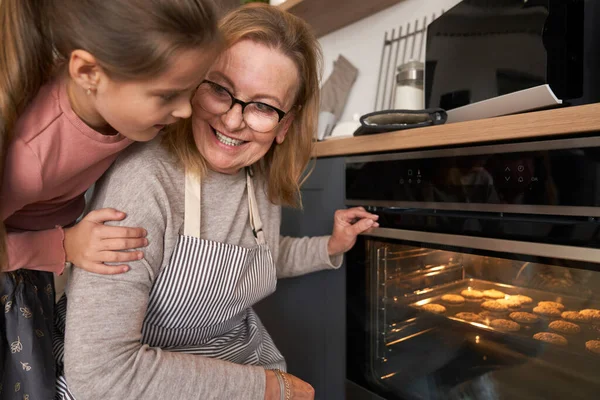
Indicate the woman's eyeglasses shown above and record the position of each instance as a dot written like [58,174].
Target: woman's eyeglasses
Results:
[259,117]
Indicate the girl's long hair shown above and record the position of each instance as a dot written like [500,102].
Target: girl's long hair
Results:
[130,39]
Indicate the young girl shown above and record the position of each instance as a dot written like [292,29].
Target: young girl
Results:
[79,82]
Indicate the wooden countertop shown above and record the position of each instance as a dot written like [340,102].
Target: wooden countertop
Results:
[562,121]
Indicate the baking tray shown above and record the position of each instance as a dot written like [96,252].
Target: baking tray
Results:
[446,357]
[576,342]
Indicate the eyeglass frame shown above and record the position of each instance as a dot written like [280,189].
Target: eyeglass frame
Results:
[280,113]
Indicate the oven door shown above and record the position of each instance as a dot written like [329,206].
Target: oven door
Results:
[407,339]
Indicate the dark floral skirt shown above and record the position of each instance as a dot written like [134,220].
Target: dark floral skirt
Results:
[26,331]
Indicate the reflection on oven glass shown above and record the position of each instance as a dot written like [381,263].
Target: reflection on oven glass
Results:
[465,184]
[463,326]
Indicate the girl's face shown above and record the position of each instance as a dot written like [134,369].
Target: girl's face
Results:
[140,109]
[251,72]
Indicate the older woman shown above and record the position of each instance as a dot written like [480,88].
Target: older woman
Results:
[179,324]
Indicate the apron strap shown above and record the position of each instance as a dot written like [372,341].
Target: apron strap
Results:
[193,196]
[255,221]
[191,224]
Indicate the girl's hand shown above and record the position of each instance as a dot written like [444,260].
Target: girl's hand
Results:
[347,225]
[90,243]
[299,390]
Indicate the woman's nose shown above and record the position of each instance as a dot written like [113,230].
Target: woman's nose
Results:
[234,118]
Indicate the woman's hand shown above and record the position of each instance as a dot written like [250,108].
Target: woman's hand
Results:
[347,225]
[90,243]
[299,390]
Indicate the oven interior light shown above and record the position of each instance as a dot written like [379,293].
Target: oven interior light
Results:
[408,324]
[438,268]
[408,337]
[388,376]
[422,291]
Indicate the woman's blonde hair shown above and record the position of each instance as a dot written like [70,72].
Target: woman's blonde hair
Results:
[284,164]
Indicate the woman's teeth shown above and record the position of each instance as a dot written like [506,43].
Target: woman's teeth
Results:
[228,141]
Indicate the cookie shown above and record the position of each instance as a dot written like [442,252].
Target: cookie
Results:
[575,316]
[523,299]
[494,306]
[564,327]
[593,346]
[505,325]
[434,308]
[469,316]
[553,338]
[511,302]
[552,304]
[524,317]
[493,294]
[471,294]
[547,311]
[591,313]
[453,299]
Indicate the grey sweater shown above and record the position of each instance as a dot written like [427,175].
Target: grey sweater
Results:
[104,355]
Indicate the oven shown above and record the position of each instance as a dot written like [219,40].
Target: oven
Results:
[483,279]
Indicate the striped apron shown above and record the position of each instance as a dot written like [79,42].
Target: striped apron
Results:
[201,302]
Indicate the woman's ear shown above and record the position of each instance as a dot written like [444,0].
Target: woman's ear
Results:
[85,70]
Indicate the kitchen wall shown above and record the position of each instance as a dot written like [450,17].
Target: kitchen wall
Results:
[361,43]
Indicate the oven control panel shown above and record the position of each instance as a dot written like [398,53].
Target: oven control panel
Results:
[554,173]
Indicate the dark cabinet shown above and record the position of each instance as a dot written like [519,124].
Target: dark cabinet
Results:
[306,315]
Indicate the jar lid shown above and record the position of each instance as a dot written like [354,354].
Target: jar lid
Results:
[410,71]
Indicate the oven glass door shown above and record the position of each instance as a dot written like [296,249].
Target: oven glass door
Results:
[447,316]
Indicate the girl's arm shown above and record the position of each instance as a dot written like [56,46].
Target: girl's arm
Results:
[87,244]
[22,185]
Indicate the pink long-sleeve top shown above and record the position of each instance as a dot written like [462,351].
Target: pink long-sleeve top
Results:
[53,159]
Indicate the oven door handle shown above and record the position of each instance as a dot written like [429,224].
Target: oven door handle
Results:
[585,254]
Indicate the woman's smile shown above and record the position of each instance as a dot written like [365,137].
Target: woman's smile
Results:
[226,140]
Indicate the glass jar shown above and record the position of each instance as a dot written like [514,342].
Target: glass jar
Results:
[409,86]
